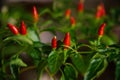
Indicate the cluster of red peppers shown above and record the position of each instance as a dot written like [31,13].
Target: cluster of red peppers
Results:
[68,16]
[23,30]
[66,40]
[68,13]
[16,31]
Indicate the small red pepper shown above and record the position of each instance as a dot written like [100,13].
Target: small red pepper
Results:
[67,13]
[54,42]
[80,6]
[72,21]
[101,30]
[67,40]
[100,11]
[13,29]
[23,29]
[35,14]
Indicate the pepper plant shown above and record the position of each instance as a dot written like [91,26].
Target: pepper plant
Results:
[70,57]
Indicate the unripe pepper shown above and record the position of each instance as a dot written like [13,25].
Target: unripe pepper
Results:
[23,29]
[54,42]
[67,13]
[80,6]
[101,30]
[13,29]
[72,21]
[67,40]
[35,14]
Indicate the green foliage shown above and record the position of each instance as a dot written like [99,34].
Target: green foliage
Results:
[117,70]
[70,72]
[96,67]
[88,54]
[77,60]
[55,60]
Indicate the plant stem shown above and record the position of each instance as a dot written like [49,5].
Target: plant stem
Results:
[51,76]
[26,69]
[65,55]
[36,30]
[98,41]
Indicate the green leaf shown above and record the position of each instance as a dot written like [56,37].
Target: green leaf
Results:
[18,62]
[32,35]
[38,44]
[41,66]
[96,67]
[35,54]
[14,71]
[55,61]
[117,70]
[77,60]
[62,77]
[11,49]
[19,39]
[107,40]
[70,73]
[46,49]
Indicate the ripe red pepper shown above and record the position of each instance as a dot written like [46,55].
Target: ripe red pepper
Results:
[54,42]
[23,29]
[35,14]
[67,13]
[101,30]
[100,11]
[67,40]
[103,9]
[80,6]
[72,21]
[13,29]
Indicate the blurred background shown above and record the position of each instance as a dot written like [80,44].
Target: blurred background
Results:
[26,5]
[89,5]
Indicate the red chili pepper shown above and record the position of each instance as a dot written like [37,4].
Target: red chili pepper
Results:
[67,13]
[23,29]
[101,30]
[80,6]
[54,42]
[13,29]
[100,11]
[103,9]
[72,21]
[67,40]
[35,14]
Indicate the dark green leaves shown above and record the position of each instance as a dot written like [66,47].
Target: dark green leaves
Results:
[118,70]
[14,71]
[96,67]
[55,61]
[15,63]
[70,73]
[78,62]
[18,62]
[35,54]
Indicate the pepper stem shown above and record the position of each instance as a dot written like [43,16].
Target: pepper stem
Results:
[65,55]
[98,41]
